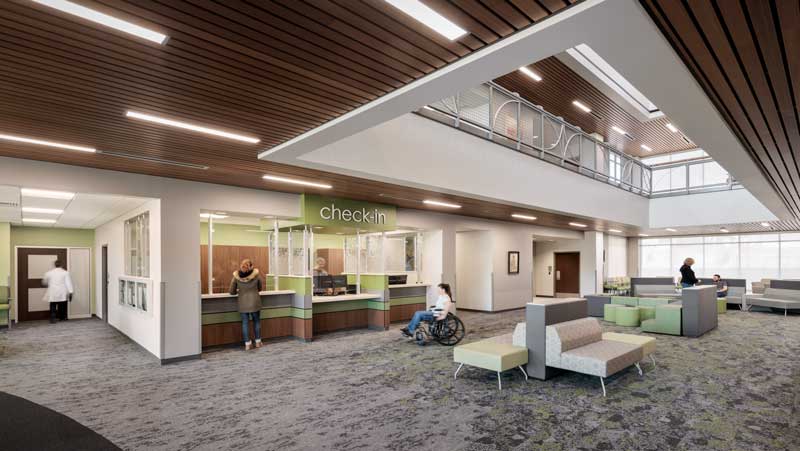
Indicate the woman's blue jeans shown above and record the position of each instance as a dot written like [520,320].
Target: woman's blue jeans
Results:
[420,316]
[256,316]
[686,285]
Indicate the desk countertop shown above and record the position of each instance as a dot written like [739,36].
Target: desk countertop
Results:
[409,285]
[262,293]
[343,297]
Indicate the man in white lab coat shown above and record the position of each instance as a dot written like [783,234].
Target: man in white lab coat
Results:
[59,291]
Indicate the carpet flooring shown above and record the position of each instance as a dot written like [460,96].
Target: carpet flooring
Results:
[735,388]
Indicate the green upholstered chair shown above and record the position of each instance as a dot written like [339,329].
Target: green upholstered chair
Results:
[609,312]
[627,316]
[5,306]
[722,305]
[667,320]
[646,312]
[625,300]
[491,355]
[652,302]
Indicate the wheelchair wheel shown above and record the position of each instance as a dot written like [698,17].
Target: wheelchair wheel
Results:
[451,331]
[419,337]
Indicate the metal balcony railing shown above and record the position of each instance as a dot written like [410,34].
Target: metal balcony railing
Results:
[494,113]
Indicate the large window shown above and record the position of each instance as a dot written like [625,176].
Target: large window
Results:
[751,256]
[137,246]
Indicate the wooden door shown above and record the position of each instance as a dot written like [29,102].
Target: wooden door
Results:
[32,263]
[567,274]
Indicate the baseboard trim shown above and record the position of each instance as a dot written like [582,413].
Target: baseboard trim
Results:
[488,311]
[182,358]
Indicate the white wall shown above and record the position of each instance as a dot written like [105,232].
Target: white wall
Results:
[721,207]
[616,251]
[432,250]
[474,270]
[142,327]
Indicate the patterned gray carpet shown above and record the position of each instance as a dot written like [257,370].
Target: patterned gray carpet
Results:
[735,388]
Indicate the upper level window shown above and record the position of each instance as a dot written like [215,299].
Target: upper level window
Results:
[137,246]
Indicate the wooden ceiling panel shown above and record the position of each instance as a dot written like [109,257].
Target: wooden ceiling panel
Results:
[745,56]
[560,85]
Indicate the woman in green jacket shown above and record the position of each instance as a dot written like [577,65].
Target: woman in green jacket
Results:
[246,284]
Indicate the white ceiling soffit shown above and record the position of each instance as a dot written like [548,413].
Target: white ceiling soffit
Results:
[607,26]
[594,69]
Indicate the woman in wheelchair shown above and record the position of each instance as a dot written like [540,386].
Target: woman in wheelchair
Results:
[444,305]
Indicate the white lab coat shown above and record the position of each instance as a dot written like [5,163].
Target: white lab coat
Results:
[59,285]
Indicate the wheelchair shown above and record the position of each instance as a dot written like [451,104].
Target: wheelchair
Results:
[447,332]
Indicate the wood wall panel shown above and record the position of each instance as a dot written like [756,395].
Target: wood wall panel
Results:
[226,261]
[404,312]
[333,321]
[231,333]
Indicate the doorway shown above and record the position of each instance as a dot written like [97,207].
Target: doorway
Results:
[32,263]
[104,281]
[568,272]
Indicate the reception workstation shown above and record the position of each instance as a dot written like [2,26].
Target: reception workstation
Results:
[342,265]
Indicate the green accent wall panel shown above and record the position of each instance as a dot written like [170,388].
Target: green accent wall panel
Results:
[300,285]
[5,253]
[374,281]
[234,235]
[341,306]
[336,212]
[408,300]
[378,305]
[267,313]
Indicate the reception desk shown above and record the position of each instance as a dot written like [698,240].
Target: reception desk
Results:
[349,311]
[406,299]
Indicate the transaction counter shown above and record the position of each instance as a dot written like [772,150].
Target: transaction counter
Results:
[406,299]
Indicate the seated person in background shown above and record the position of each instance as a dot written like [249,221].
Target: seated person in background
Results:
[444,305]
[722,286]
[319,267]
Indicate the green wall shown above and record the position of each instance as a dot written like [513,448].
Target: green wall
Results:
[233,235]
[5,252]
[55,237]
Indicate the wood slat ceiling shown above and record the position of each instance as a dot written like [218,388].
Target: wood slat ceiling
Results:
[745,56]
[560,85]
[269,69]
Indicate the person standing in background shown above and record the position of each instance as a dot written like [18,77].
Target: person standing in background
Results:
[59,291]
[246,284]
[687,274]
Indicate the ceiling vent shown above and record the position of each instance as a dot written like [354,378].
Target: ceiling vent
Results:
[687,140]
[628,135]
[9,196]
[597,116]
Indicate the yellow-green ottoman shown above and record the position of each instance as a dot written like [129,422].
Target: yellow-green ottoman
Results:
[722,305]
[491,355]
[648,344]
[627,316]
[609,312]
[646,312]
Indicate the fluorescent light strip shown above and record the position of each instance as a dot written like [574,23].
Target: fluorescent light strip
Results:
[672,128]
[46,211]
[440,204]
[187,126]
[39,221]
[519,216]
[104,19]
[585,108]
[724,230]
[212,216]
[669,229]
[643,234]
[646,147]
[46,143]
[577,224]
[615,230]
[275,178]
[429,17]
[530,73]
[766,224]
[45,194]
[619,130]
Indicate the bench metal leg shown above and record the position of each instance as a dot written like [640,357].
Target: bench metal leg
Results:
[457,370]
[499,382]
[602,384]
[523,372]
[638,368]
[653,359]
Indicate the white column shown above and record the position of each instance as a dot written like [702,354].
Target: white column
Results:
[210,254]
[275,247]
[358,262]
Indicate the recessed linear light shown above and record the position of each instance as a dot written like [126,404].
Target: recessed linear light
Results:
[643,234]
[669,229]
[104,19]
[46,143]
[615,230]
[723,230]
[672,128]
[530,73]
[619,130]
[519,216]
[39,220]
[577,224]
[47,211]
[45,194]
[585,108]
[429,17]
[766,224]
[275,178]
[646,147]
[212,216]
[440,204]
[192,127]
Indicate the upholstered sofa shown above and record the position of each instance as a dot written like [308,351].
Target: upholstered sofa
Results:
[781,294]
[578,346]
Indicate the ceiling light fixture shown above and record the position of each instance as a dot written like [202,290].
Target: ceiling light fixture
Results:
[672,128]
[47,211]
[429,17]
[46,143]
[105,19]
[276,178]
[530,73]
[646,147]
[519,216]
[615,230]
[619,130]
[670,229]
[766,224]
[45,194]
[39,220]
[212,216]
[577,224]
[440,204]
[585,108]
[192,127]
[643,234]
[723,230]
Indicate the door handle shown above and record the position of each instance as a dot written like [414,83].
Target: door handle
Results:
[558,275]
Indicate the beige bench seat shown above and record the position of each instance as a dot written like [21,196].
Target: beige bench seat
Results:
[491,355]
